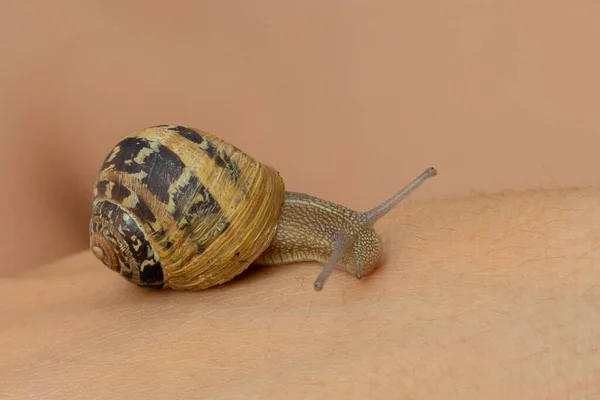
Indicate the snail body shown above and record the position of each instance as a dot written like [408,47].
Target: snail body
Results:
[176,207]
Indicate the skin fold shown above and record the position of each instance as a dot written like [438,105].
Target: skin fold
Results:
[489,297]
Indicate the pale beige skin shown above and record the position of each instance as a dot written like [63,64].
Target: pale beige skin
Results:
[312,229]
[490,297]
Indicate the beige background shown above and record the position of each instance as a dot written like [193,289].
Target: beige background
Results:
[348,99]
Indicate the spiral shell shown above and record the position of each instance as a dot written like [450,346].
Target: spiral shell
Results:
[178,208]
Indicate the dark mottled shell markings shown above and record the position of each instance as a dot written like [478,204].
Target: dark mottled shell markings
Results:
[201,201]
[221,158]
[157,165]
[118,192]
[135,258]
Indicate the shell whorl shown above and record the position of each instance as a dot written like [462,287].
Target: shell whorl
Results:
[117,240]
[203,209]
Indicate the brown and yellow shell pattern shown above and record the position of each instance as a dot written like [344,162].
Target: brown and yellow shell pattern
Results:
[175,207]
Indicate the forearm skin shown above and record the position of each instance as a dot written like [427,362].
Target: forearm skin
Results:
[485,297]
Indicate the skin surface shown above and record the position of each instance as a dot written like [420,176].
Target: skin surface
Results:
[483,297]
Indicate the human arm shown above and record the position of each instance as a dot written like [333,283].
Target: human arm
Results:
[480,297]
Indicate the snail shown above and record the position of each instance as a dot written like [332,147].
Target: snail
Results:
[175,207]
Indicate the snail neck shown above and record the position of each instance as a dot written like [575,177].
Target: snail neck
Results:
[309,228]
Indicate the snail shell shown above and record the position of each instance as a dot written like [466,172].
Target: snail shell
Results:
[180,208]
